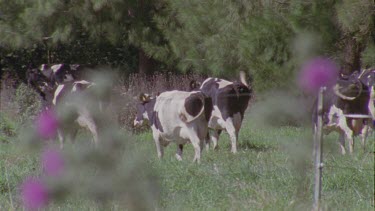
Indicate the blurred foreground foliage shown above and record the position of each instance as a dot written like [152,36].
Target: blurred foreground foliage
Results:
[111,170]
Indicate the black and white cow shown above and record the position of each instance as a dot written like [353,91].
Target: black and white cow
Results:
[230,100]
[74,96]
[350,96]
[176,116]
[58,88]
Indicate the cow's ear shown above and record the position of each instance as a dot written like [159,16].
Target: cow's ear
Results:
[144,97]
[194,85]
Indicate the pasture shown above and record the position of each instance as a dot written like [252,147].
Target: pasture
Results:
[273,170]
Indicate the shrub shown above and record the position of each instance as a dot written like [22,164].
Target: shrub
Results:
[8,128]
[28,103]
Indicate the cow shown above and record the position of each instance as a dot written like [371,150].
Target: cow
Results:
[230,100]
[176,116]
[345,110]
[74,96]
[57,86]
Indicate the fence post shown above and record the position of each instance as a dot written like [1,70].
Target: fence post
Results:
[318,151]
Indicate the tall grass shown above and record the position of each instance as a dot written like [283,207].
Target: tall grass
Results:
[272,171]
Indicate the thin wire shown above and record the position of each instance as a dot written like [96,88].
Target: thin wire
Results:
[345,167]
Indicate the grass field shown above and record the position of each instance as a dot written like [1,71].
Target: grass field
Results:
[272,171]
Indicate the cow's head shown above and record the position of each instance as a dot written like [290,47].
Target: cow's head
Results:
[40,83]
[57,73]
[144,107]
[194,85]
[348,87]
[367,77]
[62,73]
[37,80]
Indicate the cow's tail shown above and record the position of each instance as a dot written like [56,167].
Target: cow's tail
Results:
[208,107]
[243,78]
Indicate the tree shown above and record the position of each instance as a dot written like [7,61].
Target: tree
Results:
[223,37]
[106,25]
[268,39]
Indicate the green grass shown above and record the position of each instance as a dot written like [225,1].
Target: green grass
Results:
[272,171]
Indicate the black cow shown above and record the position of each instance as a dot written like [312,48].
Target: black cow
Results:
[230,100]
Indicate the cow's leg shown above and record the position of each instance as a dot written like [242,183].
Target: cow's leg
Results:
[371,104]
[233,134]
[215,138]
[347,133]
[72,134]
[60,134]
[194,139]
[363,135]
[342,143]
[207,141]
[349,136]
[180,148]
[159,147]
[88,122]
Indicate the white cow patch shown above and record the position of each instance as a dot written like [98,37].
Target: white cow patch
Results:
[371,105]
[224,83]
[83,82]
[217,122]
[43,67]
[57,93]
[56,67]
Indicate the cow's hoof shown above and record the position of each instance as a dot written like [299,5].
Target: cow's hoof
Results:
[178,157]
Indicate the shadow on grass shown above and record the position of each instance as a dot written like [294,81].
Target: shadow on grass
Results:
[247,144]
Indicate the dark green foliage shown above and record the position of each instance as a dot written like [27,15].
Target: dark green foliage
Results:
[217,38]
[368,55]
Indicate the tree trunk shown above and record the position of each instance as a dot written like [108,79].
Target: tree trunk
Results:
[146,65]
[352,56]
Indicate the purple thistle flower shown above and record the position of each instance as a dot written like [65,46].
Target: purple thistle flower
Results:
[34,194]
[316,73]
[47,124]
[52,162]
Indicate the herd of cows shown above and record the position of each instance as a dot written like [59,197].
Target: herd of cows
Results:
[198,116]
